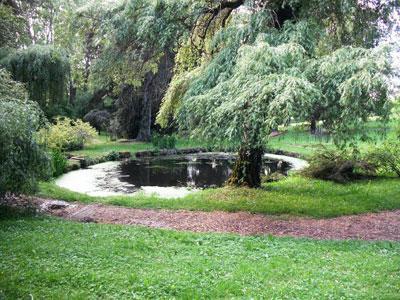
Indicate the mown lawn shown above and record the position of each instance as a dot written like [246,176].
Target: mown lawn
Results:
[55,259]
[102,145]
[295,196]
[297,138]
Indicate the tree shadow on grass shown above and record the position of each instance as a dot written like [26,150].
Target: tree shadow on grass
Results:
[8,212]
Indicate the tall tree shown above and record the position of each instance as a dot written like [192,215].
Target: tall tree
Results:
[143,36]
[44,70]
[272,64]
[12,27]
[39,17]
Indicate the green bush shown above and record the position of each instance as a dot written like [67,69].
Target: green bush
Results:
[338,165]
[386,157]
[23,160]
[112,156]
[99,119]
[163,141]
[67,134]
[58,163]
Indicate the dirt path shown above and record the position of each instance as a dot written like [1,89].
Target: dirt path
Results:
[372,226]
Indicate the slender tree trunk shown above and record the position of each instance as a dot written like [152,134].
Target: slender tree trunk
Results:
[145,121]
[247,168]
[72,92]
[313,125]
[71,89]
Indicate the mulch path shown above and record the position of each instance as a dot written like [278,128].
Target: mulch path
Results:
[371,226]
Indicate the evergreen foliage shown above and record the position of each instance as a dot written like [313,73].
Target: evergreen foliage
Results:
[58,163]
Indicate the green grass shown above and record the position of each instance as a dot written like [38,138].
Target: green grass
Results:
[295,196]
[53,259]
[297,138]
[299,142]
[102,145]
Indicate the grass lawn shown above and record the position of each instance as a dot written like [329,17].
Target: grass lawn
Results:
[43,257]
[297,139]
[55,259]
[293,196]
[103,145]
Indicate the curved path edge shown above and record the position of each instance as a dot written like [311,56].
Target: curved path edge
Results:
[371,226]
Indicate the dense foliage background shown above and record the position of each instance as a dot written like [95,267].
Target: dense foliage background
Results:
[228,71]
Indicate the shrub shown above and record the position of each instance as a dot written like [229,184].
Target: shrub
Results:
[163,141]
[99,119]
[58,163]
[338,165]
[23,161]
[67,134]
[386,157]
[112,156]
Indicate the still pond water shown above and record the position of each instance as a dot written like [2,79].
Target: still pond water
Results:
[166,176]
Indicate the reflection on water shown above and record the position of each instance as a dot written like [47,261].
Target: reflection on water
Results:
[198,170]
[176,172]
[169,176]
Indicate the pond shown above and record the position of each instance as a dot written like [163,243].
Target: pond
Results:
[166,176]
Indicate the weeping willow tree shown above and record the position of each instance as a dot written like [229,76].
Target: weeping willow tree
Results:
[44,70]
[268,68]
[138,57]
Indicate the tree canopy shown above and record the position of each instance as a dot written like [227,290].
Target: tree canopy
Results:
[44,70]
[230,71]
[266,69]
[275,76]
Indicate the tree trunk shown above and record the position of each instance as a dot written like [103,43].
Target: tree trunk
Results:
[247,168]
[72,92]
[128,112]
[313,126]
[71,89]
[144,134]
[97,98]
